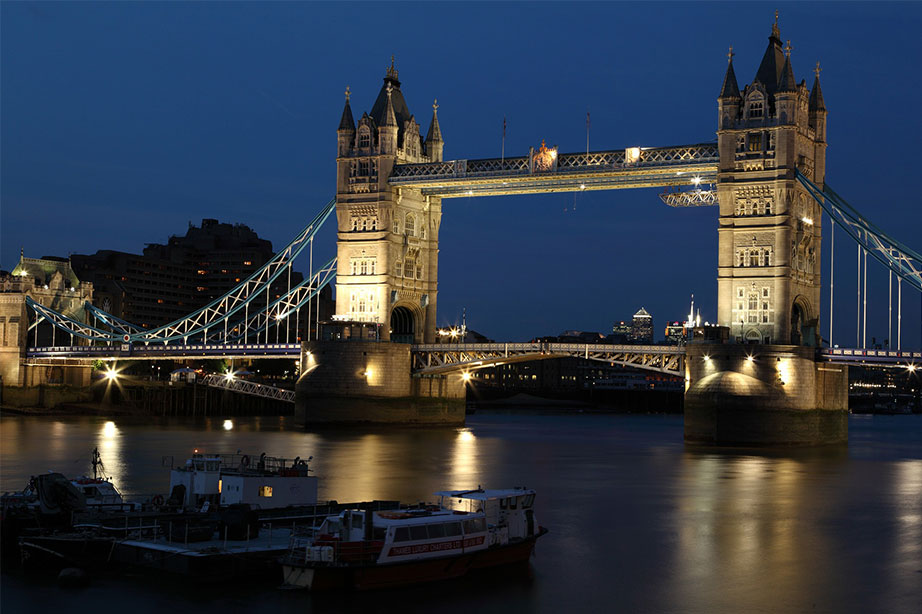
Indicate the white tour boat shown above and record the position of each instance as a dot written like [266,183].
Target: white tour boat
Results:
[468,530]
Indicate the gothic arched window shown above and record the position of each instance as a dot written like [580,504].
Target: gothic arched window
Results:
[411,225]
[364,137]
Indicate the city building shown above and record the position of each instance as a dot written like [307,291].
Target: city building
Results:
[50,282]
[642,327]
[620,333]
[676,332]
[166,282]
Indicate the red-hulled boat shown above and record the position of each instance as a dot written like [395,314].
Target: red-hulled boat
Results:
[467,530]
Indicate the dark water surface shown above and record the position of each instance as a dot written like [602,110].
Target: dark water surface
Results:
[639,522]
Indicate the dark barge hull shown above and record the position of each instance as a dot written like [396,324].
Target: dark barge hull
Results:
[319,577]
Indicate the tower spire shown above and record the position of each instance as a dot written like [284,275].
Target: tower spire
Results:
[787,83]
[816,94]
[730,87]
[390,118]
[435,131]
[347,122]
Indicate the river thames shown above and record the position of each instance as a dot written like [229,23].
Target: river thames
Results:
[638,521]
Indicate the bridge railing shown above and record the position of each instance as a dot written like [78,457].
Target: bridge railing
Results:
[705,153]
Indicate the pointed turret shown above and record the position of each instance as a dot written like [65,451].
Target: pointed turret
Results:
[731,88]
[390,118]
[787,82]
[816,94]
[769,73]
[346,122]
[387,131]
[434,142]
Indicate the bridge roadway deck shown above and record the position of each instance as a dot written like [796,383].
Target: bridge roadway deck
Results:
[454,357]
[634,167]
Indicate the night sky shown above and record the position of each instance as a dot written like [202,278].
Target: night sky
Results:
[122,123]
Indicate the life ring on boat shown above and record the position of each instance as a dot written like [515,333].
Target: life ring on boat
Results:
[245,461]
[157,500]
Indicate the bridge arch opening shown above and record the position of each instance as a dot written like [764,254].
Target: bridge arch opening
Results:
[403,325]
[803,323]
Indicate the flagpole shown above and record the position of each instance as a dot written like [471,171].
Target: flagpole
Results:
[503,160]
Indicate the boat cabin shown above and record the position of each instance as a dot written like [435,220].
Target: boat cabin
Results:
[265,482]
[510,508]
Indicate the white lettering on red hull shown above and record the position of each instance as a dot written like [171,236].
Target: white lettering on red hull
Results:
[454,544]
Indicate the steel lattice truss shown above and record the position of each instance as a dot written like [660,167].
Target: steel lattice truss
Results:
[454,357]
[690,198]
[252,388]
[905,262]
[278,310]
[216,314]
[574,172]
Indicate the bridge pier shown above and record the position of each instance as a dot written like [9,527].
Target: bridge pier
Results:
[763,395]
[356,382]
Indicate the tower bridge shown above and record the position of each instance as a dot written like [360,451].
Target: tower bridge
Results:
[769,382]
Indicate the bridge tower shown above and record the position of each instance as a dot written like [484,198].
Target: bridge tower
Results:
[388,237]
[764,385]
[770,228]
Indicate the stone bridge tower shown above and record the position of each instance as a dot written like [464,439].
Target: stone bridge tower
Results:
[769,229]
[387,242]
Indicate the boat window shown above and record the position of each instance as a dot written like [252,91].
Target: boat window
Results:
[529,501]
[512,502]
[436,531]
[212,465]
[502,504]
[475,525]
[452,529]
[357,519]
[419,532]
[265,491]
[199,465]
[401,534]
[379,533]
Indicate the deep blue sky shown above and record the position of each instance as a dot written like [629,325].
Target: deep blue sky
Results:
[122,122]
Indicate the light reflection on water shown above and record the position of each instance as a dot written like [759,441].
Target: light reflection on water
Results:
[638,521]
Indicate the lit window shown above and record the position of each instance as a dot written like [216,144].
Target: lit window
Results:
[265,491]
[247,263]
[755,141]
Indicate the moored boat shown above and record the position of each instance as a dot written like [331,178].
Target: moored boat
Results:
[365,549]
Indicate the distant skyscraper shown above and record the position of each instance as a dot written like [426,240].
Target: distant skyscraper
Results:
[642,327]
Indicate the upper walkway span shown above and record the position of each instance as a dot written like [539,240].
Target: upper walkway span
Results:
[543,170]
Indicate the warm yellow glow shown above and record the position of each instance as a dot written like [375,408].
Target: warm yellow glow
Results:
[784,374]
[706,357]
[367,373]
[808,221]
[466,376]
[696,180]
[228,425]
[912,368]
[632,154]
[108,430]
[582,186]
[111,374]
[229,376]
[749,358]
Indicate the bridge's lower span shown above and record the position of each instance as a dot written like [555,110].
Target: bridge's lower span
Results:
[455,357]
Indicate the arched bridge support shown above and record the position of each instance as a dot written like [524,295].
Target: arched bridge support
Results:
[763,395]
[355,382]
